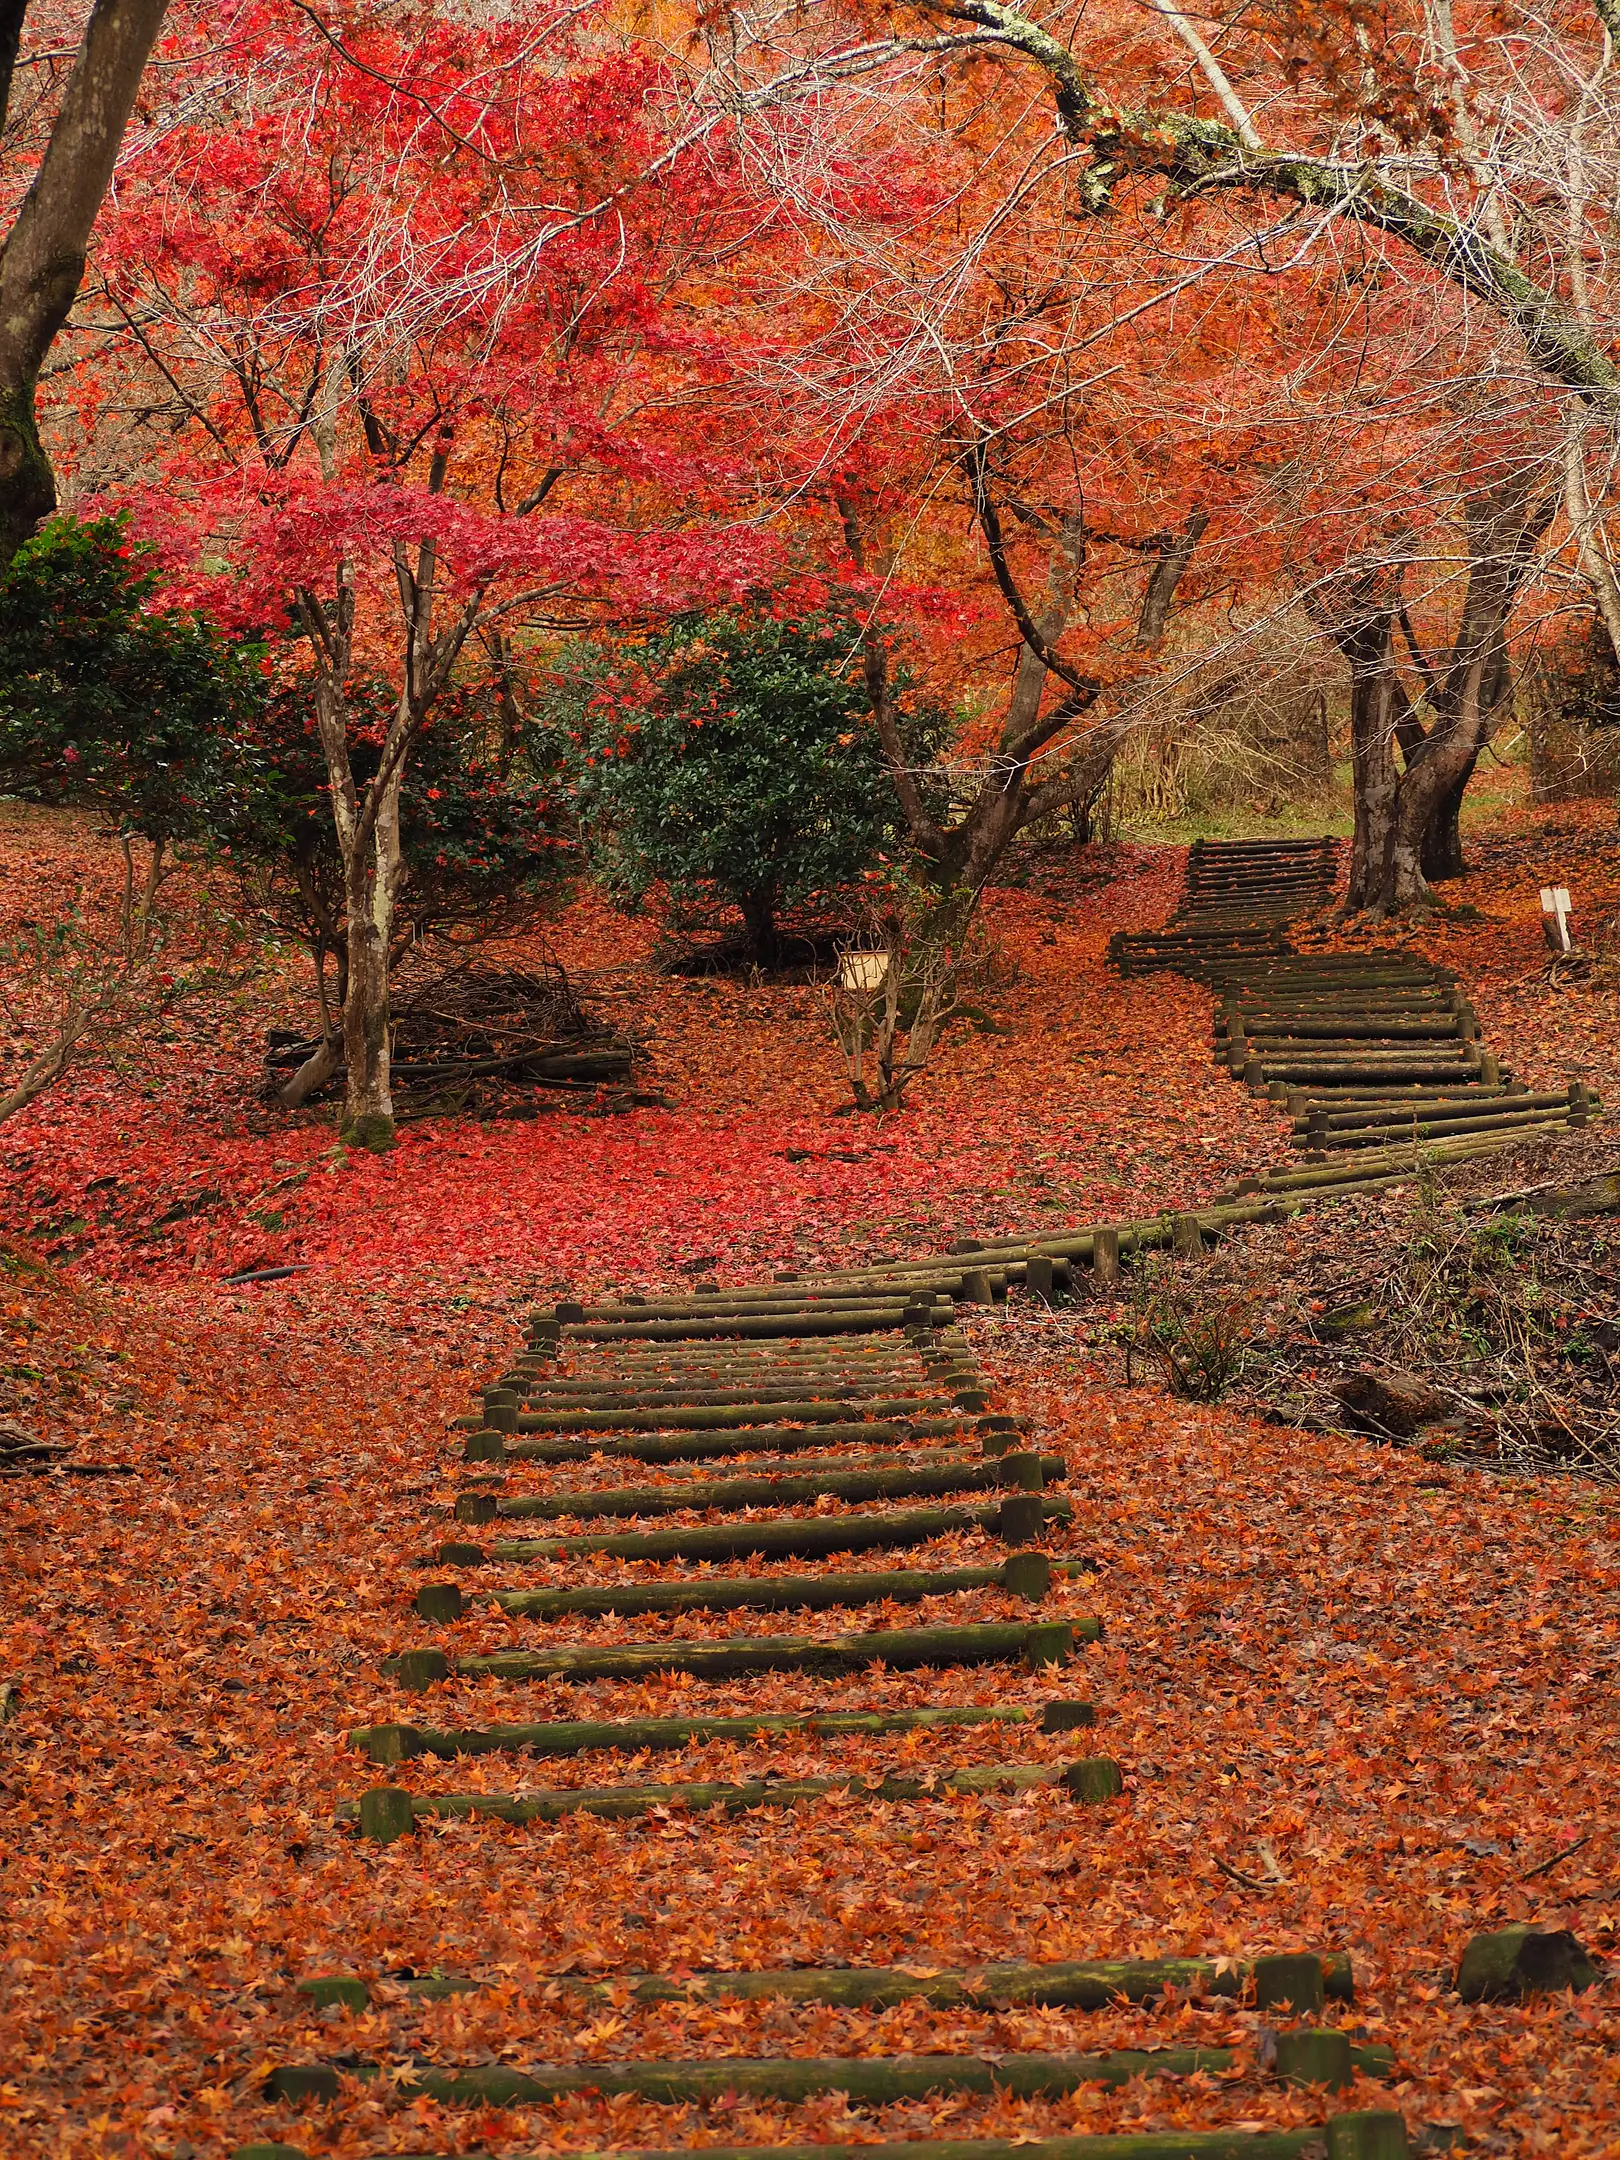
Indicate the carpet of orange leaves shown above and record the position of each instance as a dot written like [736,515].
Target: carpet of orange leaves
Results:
[1363,1701]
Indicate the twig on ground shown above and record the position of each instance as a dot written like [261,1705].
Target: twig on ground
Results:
[1546,1867]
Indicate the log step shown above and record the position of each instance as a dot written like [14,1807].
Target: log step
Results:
[1300,1980]
[713,1417]
[866,2080]
[852,1320]
[388,1812]
[878,1477]
[404,1743]
[1365,2135]
[843,1394]
[1377,1136]
[790,1538]
[658,1447]
[1033,1645]
[1022,1574]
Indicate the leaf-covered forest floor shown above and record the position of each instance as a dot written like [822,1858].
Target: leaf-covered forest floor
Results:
[1365,1699]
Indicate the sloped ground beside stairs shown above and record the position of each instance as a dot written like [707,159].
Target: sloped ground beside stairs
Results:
[1359,1701]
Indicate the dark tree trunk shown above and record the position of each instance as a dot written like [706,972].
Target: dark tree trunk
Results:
[42,260]
[1014,790]
[759,921]
[1366,638]
[1408,821]
[1442,843]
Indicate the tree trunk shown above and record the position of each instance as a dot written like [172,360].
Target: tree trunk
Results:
[1407,820]
[42,261]
[1503,528]
[1442,843]
[372,876]
[368,1104]
[49,1066]
[1369,646]
[759,922]
[313,1074]
[1442,855]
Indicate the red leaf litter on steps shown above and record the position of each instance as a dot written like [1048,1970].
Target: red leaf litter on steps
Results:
[1364,1702]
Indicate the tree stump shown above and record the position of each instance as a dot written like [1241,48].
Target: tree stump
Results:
[1517,1961]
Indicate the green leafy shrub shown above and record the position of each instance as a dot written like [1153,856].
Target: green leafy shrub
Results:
[735,755]
[145,714]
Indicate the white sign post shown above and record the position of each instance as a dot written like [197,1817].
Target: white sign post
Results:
[863,971]
[1556,914]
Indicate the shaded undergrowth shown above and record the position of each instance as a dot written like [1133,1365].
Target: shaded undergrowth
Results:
[1475,1332]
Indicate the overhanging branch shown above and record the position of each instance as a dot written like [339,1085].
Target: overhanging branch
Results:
[1197,156]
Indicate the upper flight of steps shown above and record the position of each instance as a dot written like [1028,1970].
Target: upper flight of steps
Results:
[1238,897]
[1377,1058]
[1376,1055]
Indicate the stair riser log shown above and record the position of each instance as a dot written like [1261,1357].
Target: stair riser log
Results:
[807,1539]
[624,1803]
[803,1305]
[748,1440]
[900,1649]
[1026,1575]
[405,1743]
[1445,1129]
[726,1417]
[858,1321]
[1301,1074]
[901,1482]
[842,1395]
[1349,2144]
[1375,1110]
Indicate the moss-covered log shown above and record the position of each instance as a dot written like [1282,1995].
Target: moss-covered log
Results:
[1522,1960]
[844,1393]
[1091,1984]
[801,1537]
[868,2080]
[1035,1645]
[1023,1574]
[1090,1779]
[773,1299]
[1348,2137]
[1082,1985]
[887,1477]
[635,1736]
[743,1440]
[711,1417]
[810,1320]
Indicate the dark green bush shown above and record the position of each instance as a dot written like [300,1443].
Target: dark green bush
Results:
[735,755]
[145,714]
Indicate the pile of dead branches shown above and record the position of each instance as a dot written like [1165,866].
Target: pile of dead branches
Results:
[1491,1336]
[465,1036]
